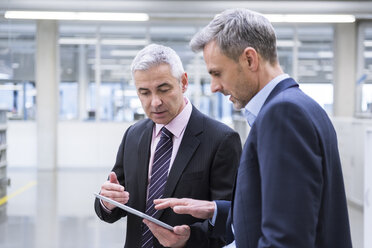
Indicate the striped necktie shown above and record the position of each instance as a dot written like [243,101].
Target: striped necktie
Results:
[159,175]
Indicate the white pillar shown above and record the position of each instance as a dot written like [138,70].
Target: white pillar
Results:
[47,93]
[46,221]
[197,80]
[97,75]
[83,82]
[295,57]
[345,51]
[368,190]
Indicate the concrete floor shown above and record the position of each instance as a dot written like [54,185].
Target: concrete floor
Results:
[55,210]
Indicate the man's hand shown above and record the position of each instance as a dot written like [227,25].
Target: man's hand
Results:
[175,239]
[198,208]
[113,190]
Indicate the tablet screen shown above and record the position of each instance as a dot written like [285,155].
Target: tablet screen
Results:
[134,211]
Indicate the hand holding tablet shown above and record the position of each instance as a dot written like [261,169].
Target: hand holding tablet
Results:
[134,211]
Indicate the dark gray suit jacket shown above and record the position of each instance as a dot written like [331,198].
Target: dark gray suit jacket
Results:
[204,168]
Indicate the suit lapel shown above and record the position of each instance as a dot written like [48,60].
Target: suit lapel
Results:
[143,164]
[188,146]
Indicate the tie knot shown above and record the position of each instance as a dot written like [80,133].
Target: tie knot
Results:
[165,133]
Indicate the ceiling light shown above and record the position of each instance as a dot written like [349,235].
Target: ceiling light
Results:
[325,54]
[308,18]
[77,41]
[287,43]
[10,87]
[124,53]
[77,16]
[368,43]
[368,55]
[4,76]
[112,42]
[125,42]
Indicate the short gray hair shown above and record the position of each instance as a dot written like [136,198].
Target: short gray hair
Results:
[154,55]
[234,30]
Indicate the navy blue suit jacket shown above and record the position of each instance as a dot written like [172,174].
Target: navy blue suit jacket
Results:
[289,191]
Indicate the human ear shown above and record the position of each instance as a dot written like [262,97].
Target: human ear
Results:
[184,82]
[250,56]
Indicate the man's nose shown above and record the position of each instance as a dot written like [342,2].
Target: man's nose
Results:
[215,86]
[156,101]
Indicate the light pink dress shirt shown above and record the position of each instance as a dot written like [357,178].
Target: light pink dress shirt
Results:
[177,127]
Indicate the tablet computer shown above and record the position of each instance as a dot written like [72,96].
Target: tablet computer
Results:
[134,211]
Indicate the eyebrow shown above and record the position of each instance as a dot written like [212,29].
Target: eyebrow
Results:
[142,89]
[159,86]
[163,84]
[213,71]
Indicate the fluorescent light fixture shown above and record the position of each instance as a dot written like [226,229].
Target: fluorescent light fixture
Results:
[325,54]
[10,86]
[125,42]
[309,18]
[368,43]
[111,67]
[124,53]
[77,41]
[77,16]
[4,76]
[287,43]
[112,42]
[367,54]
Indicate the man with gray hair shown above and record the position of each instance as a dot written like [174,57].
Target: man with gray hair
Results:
[176,152]
[289,190]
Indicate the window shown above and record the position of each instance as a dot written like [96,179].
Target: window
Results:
[96,82]
[364,74]
[17,87]
[306,53]
[98,57]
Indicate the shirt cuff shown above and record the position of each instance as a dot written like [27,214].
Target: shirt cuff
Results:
[213,220]
[104,207]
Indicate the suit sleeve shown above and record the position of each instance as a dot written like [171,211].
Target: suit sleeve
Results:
[222,178]
[225,166]
[118,168]
[290,164]
[221,223]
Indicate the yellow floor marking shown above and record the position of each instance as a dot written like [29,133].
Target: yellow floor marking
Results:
[19,191]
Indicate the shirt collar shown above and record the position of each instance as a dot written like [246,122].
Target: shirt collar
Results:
[254,106]
[179,123]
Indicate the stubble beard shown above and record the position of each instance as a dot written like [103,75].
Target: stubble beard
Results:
[238,104]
